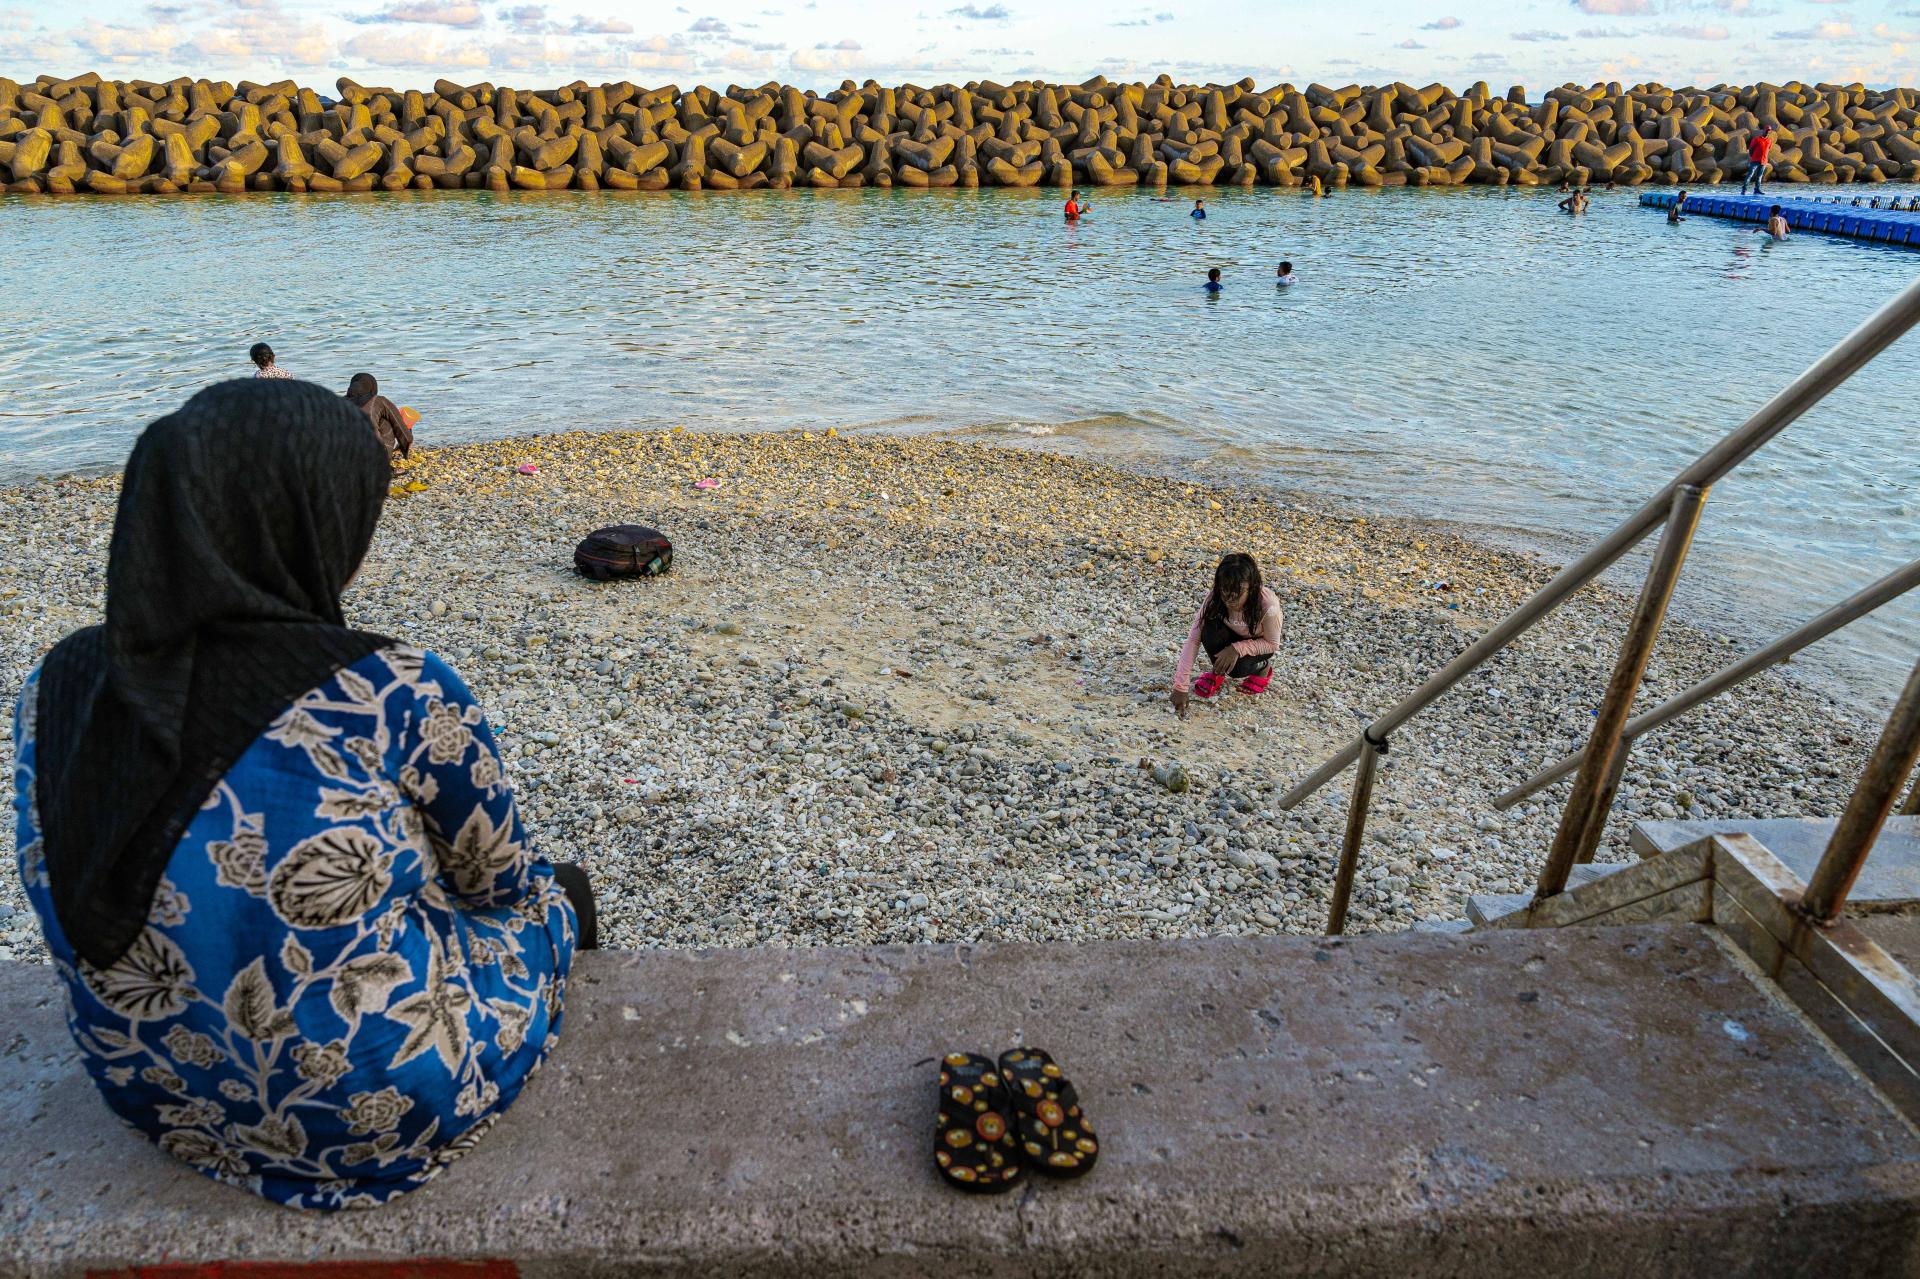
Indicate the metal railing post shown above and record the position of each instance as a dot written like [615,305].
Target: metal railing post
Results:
[1849,610]
[1600,768]
[1879,331]
[1370,753]
[1887,770]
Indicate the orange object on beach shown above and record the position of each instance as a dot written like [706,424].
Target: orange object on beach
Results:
[410,416]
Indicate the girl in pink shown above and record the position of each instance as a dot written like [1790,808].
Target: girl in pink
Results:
[1239,626]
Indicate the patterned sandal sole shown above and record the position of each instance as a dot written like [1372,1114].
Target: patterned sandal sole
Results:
[973,1145]
[1054,1135]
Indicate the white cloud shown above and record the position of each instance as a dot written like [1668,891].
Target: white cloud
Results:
[602,27]
[1441,24]
[1538,36]
[440,13]
[1819,31]
[1409,44]
[412,49]
[978,13]
[123,45]
[1614,8]
[1713,32]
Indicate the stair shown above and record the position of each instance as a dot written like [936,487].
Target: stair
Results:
[1484,908]
[1889,881]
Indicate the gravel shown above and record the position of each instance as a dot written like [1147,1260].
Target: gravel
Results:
[912,690]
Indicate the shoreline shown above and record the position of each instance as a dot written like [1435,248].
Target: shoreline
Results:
[900,688]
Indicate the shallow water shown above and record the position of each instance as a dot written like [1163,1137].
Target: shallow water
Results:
[1466,355]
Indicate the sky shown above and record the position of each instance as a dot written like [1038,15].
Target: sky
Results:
[819,43]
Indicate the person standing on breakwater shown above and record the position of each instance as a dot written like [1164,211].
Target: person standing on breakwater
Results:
[1213,280]
[1284,276]
[1777,224]
[1239,626]
[1075,208]
[308,948]
[262,356]
[1199,209]
[1758,151]
[364,394]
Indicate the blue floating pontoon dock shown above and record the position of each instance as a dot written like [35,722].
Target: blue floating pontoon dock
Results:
[1835,215]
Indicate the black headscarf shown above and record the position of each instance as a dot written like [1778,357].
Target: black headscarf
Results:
[242,516]
[361,389]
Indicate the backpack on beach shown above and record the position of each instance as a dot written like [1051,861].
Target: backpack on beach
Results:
[623,550]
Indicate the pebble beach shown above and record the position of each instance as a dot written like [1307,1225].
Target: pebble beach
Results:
[914,690]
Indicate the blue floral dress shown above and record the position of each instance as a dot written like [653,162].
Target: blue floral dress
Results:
[354,961]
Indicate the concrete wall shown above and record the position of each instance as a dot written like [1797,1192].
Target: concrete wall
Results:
[1577,1102]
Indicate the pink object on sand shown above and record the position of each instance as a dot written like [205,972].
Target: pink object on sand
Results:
[1255,684]
[529,468]
[1207,685]
[708,483]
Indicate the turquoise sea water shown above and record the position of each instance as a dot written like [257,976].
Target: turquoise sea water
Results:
[1463,355]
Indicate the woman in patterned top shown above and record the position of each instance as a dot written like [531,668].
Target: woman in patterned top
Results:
[308,948]
[262,356]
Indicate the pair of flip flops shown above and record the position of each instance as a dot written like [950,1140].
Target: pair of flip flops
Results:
[1209,684]
[998,1119]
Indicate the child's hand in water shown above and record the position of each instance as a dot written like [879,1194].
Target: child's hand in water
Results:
[1180,703]
[1223,664]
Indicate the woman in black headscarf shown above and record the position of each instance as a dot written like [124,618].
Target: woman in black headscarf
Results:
[388,422]
[276,859]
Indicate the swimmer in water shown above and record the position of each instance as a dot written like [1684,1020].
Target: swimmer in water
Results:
[1074,208]
[1675,209]
[1199,210]
[1777,224]
[1213,280]
[1285,276]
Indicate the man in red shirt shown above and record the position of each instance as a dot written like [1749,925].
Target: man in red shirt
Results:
[1074,207]
[1757,152]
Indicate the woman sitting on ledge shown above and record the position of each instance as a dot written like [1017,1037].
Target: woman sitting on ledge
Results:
[1239,626]
[308,948]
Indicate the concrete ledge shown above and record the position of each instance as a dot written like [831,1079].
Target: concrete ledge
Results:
[1587,1101]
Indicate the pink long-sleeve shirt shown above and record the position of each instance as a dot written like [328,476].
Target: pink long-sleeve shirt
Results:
[1267,641]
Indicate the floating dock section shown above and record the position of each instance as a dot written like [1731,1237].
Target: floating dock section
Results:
[1832,216]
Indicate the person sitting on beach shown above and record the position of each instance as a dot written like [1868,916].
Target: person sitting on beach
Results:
[1074,208]
[1213,280]
[1674,217]
[1777,224]
[262,356]
[1239,626]
[1285,276]
[1199,209]
[364,394]
[307,946]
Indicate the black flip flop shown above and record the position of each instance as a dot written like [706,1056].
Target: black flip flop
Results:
[1054,1135]
[973,1144]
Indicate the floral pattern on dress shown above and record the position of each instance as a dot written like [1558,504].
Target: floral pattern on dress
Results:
[354,960]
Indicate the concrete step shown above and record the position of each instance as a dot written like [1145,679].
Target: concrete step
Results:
[1483,908]
[1890,880]
[1442,925]
[1275,1106]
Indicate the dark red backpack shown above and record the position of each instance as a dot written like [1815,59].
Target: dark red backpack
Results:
[623,550]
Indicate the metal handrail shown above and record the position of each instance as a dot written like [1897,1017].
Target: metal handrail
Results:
[1887,770]
[1677,505]
[1879,331]
[1851,609]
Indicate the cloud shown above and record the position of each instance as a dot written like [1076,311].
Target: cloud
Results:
[1440,24]
[848,44]
[1613,8]
[710,27]
[407,49]
[1819,31]
[1696,32]
[259,32]
[1885,32]
[440,13]
[975,13]
[602,27]
[1537,36]
[123,45]
[1601,33]
[167,12]
[528,19]
[1409,44]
